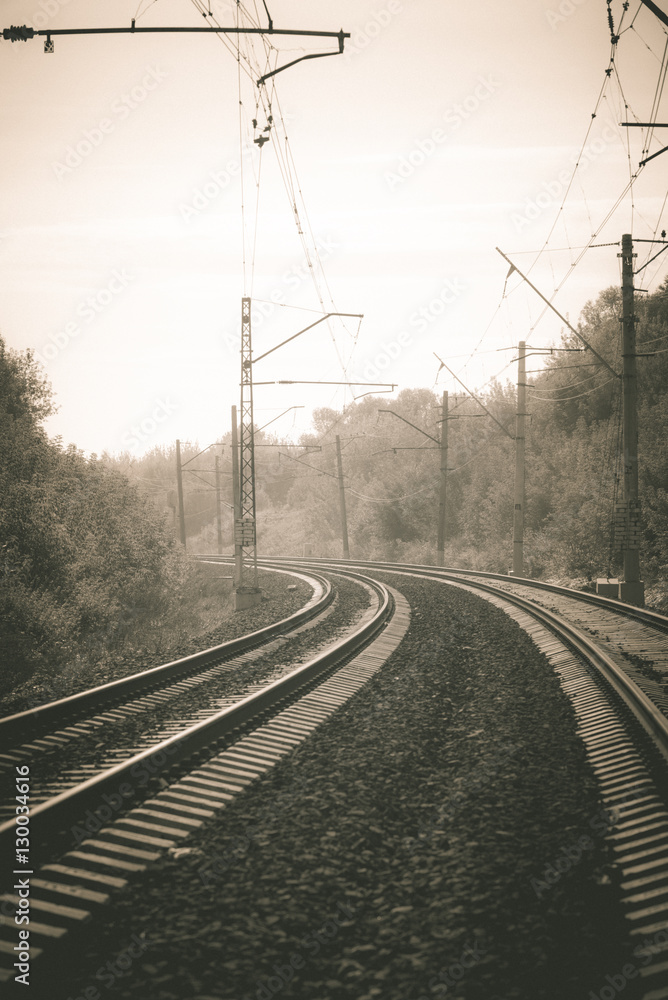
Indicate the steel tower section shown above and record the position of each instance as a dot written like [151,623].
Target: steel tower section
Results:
[245,528]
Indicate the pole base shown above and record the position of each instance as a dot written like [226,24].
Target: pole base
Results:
[621,590]
[247,597]
[607,588]
[632,593]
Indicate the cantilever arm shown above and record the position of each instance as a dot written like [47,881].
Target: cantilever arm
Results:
[309,327]
[312,55]
[414,426]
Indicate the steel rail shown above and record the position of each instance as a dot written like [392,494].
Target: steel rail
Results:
[25,725]
[647,714]
[50,821]
[653,618]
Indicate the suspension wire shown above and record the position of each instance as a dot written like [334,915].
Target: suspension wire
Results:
[293,189]
[628,187]
[287,168]
[657,99]
[241,162]
[257,217]
[628,111]
[139,15]
[565,399]
[288,172]
[560,388]
[656,229]
[424,489]
[231,48]
[643,343]
[577,162]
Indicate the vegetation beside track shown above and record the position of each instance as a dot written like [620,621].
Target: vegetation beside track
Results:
[93,584]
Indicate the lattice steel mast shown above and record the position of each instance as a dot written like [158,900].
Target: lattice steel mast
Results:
[245,533]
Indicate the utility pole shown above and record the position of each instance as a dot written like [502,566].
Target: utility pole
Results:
[218,520]
[179,490]
[440,547]
[342,499]
[520,432]
[631,589]
[247,594]
[236,501]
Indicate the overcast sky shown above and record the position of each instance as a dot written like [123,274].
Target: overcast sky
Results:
[443,131]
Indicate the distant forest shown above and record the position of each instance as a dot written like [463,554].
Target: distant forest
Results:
[572,467]
[88,549]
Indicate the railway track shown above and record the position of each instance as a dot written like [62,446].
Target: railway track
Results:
[612,661]
[634,639]
[609,659]
[100,828]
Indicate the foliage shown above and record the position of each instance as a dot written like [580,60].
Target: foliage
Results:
[85,558]
[392,470]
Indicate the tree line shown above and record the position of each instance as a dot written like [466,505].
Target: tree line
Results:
[392,472]
[88,549]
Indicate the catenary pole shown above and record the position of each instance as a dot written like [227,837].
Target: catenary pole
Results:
[342,499]
[236,500]
[179,490]
[440,546]
[634,590]
[218,518]
[520,438]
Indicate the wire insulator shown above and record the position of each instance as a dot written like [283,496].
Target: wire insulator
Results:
[18,33]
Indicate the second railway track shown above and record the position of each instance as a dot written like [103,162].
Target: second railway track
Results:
[161,794]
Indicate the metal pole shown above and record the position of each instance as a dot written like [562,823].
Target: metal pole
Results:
[631,543]
[440,547]
[342,499]
[179,490]
[218,519]
[236,500]
[518,513]
[248,593]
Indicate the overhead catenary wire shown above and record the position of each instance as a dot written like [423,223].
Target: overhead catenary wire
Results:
[572,385]
[565,399]
[363,496]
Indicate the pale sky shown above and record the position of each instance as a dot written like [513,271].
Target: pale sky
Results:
[443,131]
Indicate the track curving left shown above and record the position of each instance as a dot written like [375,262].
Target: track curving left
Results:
[158,797]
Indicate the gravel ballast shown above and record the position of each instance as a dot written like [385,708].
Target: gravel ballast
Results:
[402,852]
